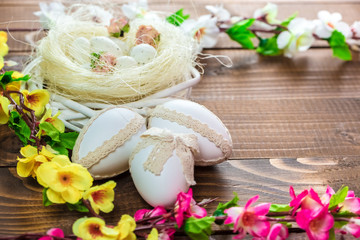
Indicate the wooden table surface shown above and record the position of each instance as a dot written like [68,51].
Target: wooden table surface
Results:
[293,121]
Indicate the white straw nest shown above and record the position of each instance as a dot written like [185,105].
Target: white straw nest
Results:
[64,74]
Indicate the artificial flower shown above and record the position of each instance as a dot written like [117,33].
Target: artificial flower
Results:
[4,49]
[353,227]
[249,219]
[53,232]
[316,223]
[135,9]
[154,235]
[219,12]
[4,109]
[355,29]
[66,181]
[103,62]
[298,38]
[93,228]
[29,165]
[16,75]
[350,204]
[204,30]
[269,12]
[144,213]
[118,27]
[307,199]
[126,227]
[101,197]
[328,22]
[278,232]
[53,120]
[185,207]
[36,100]
[50,13]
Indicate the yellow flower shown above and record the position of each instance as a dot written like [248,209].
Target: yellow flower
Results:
[101,197]
[57,123]
[28,166]
[154,235]
[93,228]
[126,227]
[66,181]
[36,100]
[4,109]
[16,75]
[4,49]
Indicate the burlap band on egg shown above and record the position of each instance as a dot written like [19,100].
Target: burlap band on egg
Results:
[165,143]
[110,145]
[202,128]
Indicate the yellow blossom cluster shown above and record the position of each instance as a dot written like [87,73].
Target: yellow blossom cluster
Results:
[4,49]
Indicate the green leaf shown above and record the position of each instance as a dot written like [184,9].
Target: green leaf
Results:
[279,208]
[68,139]
[239,32]
[268,46]
[332,234]
[340,224]
[46,201]
[345,214]
[50,130]
[286,22]
[6,78]
[222,206]
[79,206]
[177,18]
[338,197]
[338,45]
[198,229]
[22,130]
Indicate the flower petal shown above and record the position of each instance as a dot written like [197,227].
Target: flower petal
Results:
[54,197]
[260,228]
[283,39]
[262,209]
[251,201]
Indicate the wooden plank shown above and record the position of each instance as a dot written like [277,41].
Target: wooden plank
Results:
[21,207]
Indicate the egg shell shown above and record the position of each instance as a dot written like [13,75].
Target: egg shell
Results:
[106,142]
[80,50]
[158,190]
[104,44]
[190,117]
[143,53]
[124,62]
[124,47]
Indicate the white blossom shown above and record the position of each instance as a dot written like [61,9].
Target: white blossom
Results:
[135,9]
[204,30]
[49,13]
[298,38]
[328,22]
[355,29]
[269,12]
[219,12]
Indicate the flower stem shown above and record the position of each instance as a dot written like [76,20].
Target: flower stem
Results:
[91,210]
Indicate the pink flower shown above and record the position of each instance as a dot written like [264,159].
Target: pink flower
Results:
[353,227]
[351,203]
[144,213]
[308,199]
[167,234]
[53,232]
[278,232]
[249,219]
[316,223]
[186,207]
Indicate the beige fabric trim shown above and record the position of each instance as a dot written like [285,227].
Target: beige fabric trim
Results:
[109,145]
[202,128]
[165,143]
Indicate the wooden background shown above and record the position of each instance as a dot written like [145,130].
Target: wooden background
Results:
[293,121]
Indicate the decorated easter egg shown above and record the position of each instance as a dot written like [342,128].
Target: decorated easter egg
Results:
[143,53]
[105,143]
[125,62]
[162,165]
[183,116]
[104,44]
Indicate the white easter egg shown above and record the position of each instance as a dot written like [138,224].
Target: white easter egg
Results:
[124,47]
[183,116]
[143,53]
[162,166]
[105,143]
[80,50]
[104,44]
[124,62]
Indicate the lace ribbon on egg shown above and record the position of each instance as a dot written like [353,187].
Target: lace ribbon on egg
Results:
[109,145]
[164,142]
[202,128]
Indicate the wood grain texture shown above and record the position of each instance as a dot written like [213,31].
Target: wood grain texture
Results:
[21,207]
